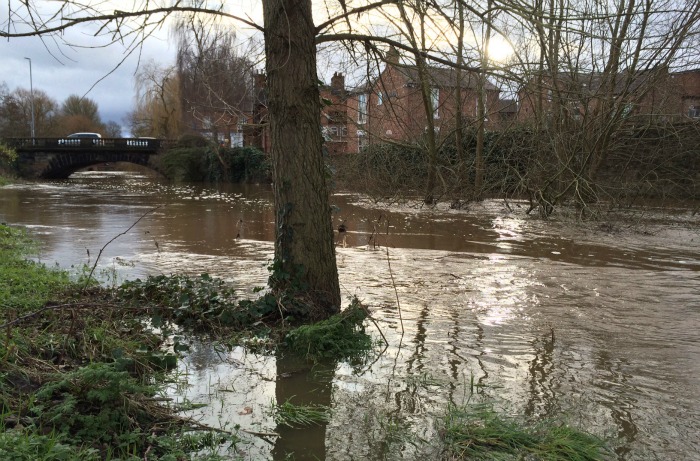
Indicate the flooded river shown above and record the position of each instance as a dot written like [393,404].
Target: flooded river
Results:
[598,326]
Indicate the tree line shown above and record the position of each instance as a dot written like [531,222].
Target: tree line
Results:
[51,118]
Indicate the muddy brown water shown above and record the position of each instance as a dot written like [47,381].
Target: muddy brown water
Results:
[597,326]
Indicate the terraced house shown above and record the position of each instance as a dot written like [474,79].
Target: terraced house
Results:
[391,108]
[649,96]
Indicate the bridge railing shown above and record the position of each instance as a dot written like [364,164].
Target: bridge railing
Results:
[145,144]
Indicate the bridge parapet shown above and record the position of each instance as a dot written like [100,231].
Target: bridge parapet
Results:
[60,144]
[54,158]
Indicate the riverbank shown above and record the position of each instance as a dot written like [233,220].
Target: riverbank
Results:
[81,372]
[84,368]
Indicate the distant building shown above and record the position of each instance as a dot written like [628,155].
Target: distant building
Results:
[339,130]
[687,87]
[392,107]
[653,95]
[339,133]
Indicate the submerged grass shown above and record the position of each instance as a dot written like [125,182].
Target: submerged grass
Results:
[79,371]
[339,337]
[478,432]
[292,415]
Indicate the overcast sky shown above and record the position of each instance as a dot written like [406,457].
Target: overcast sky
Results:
[61,71]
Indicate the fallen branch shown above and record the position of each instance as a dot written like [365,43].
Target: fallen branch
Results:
[78,306]
[94,266]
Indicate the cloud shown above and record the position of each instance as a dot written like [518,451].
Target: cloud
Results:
[91,70]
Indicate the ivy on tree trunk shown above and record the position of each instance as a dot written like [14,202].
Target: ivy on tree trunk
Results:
[304,261]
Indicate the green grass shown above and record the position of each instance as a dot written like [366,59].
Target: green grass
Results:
[478,432]
[80,371]
[339,337]
[25,284]
[291,415]
[19,445]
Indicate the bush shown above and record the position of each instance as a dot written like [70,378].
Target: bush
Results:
[8,161]
[209,163]
[389,169]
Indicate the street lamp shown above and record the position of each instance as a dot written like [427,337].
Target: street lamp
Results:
[31,90]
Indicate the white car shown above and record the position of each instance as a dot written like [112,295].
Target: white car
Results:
[74,139]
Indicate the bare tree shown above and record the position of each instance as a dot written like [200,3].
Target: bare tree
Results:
[215,79]
[158,111]
[15,113]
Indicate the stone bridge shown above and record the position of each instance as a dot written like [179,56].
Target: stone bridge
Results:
[58,158]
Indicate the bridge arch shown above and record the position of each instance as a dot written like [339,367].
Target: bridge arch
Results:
[62,165]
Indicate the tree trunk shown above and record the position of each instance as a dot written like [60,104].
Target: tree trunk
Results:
[462,154]
[481,112]
[304,261]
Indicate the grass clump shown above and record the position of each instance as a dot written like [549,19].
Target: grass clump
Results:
[25,284]
[338,337]
[96,404]
[22,446]
[479,433]
[295,416]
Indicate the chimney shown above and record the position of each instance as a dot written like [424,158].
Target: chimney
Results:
[259,80]
[337,82]
[392,56]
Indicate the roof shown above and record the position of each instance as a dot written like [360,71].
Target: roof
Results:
[591,83]
[507,105]
[445,77]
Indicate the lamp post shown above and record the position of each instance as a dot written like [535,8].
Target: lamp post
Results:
[31,90]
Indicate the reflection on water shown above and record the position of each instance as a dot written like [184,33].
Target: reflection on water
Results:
[546,318]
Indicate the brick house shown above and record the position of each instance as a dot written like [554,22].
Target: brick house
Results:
[388,109]
[339,105]
[646,96]
[339,132]
[686,85]
[391,107]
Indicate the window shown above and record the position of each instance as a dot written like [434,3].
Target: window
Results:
[362,108]
[694,112]
[336,131]
[362,139]
[236,139]
[435,101]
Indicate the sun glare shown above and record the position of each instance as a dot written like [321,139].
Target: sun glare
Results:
[499,49]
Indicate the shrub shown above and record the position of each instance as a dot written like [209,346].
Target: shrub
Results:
[209,163]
